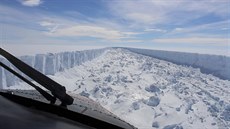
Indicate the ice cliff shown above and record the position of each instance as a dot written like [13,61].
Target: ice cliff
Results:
[48,64]
[216,65]
[51,63]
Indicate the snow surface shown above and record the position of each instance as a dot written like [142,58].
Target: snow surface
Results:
[150,93]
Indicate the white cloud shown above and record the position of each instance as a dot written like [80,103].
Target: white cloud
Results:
[178,29]
[153,12]
[217,26]
[47,23]
[14,15]
[225,28]
[99,28]
[195,40]
[31,3]
[133,41]
[87,30]
[51,25]
[155,30]
[140,17]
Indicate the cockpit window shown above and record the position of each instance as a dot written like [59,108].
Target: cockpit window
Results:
[149,63]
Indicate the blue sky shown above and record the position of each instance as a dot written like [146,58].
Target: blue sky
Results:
[201,26]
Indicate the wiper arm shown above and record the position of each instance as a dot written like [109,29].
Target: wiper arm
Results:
[56,89]
[41,91]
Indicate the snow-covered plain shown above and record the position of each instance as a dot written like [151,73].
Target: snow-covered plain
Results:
[150,93]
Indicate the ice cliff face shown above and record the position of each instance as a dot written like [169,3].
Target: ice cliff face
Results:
[216,65]
[48,64]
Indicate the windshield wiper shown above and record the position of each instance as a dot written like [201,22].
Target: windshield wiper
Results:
[56,89]
[48,97]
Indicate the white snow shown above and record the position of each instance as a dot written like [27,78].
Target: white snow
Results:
[150,93]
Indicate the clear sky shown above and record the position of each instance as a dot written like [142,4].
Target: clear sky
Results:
[201,26]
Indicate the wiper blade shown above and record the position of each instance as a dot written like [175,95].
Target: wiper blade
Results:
[56,89]
[49,97]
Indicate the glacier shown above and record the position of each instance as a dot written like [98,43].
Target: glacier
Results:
[148,92]
[51,63]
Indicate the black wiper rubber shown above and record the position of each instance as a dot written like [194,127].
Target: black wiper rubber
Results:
[56,89]
[41,91]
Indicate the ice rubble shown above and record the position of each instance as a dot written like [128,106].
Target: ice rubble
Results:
[150,93]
